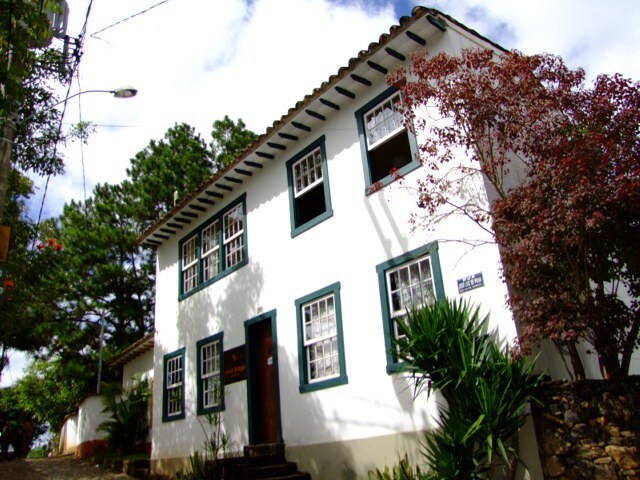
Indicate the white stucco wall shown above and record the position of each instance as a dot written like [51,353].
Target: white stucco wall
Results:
[363,232]
[69,435]
[140,367]
[89,417]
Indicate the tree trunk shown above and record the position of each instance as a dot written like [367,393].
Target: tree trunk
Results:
[6,149]
[576,361]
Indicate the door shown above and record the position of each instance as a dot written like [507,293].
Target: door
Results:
[262,388]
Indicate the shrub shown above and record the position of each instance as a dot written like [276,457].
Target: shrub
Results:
[447,346]
[129,422]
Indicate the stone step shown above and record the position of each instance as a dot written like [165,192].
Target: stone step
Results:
[269,470]
[141,473]
[294,476]
[264,449]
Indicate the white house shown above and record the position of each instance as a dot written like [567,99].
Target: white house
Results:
[279,278]
[79,433]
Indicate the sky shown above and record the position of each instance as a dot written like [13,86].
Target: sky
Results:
[194,61]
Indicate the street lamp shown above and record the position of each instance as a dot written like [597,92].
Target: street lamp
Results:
[9,134]
[122,92]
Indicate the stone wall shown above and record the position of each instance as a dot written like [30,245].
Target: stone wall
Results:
[589,429]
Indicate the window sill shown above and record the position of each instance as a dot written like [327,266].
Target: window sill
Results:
[204,411]
[389,179]
[172,418]
[332,382]
[220,276]
[311,223]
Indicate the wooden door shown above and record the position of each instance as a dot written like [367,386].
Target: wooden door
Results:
[263,416]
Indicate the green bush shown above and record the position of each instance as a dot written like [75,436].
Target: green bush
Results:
[447,347]
[42,451]
[128,425]
[198,470]
[401,471]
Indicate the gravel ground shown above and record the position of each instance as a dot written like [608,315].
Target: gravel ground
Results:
[56,468]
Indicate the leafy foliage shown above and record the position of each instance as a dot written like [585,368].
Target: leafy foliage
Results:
[198,468]
[16,416]
[87,269]
[447,347]
[217,444]
[51,390]
[128,425]
[229,139]
[26,283]
[177,164]
[562,162]
[401,471]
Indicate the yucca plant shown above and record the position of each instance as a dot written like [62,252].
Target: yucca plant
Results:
[447,346]
[400,471]
[198,469]
[128,424]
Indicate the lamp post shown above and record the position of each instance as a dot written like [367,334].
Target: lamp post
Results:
[9,124]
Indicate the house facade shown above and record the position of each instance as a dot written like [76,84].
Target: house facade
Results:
[279,280]
[80,433]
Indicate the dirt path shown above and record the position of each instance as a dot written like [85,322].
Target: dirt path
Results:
[57,468]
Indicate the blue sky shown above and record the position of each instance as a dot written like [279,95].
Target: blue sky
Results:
[194,61]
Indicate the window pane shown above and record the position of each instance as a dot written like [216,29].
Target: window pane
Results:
[321,341]
[233,237]
[210,374]
[190,251]
[307,172]
[385,119]
[410,286]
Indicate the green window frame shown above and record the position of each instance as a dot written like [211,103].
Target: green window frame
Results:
[321,359]
[309,192]
[215,249]
[388,149]
[409,280]
[173,369]
[210,372]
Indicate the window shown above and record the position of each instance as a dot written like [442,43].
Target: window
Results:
[210,371]
[190,264]
[387,147]
[215,249]
[309,197]
[408,281]
[320,345]
[173,398]
[210,251]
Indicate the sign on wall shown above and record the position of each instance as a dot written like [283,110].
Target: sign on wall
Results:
[235,365]
[470,283]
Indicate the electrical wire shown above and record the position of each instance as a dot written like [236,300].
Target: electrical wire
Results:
[84,178]
[93,35]
[74,68]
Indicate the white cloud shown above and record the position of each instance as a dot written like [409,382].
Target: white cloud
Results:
[600,37]
[194,61]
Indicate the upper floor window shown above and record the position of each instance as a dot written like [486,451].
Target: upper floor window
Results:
[309,197]
[173,387]
[408,281]
[387,147]
[214,249]
[210,370]
[321,349]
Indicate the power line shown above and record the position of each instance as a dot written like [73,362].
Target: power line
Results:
[74,68]
[128,18]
